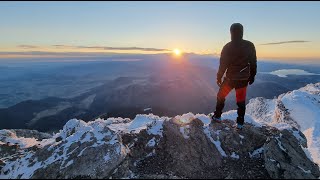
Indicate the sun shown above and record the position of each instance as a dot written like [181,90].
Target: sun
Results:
[177,52]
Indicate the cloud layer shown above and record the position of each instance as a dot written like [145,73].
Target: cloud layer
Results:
[57,54]
[27,46]
[59,46]
[285,42]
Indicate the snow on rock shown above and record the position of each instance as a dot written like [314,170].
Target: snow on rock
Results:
[232,115]
[217,142]
[284,149]
[204,118]
[155,127]
[7,136]
[185,118]
[152,142]
[185,131]
[234,155]
[304,107]
[308,171]
[151,122]
[297,109]
[256,153]
[188,118]
[89,142]
[262,110]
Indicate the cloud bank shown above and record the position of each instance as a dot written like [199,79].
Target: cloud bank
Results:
[110,48]
[285,42]
[27,46]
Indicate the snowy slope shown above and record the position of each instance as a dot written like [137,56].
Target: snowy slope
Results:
[75,140]
[304,107]
[299,109]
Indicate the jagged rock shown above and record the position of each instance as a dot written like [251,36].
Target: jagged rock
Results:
[302,140]
[232,141]
[154,147]
[192,156]
[284,158]
[186,151]
[86,150]
[237,149]
[298,110]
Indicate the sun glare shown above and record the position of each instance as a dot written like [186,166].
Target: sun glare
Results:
[177,52]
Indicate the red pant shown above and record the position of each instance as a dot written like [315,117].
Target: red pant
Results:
[241,90]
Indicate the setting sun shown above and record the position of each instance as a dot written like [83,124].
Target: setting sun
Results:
[177,52]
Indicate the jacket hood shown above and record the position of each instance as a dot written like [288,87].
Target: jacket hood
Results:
[236,31]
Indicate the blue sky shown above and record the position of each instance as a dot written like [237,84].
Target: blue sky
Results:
[200,27]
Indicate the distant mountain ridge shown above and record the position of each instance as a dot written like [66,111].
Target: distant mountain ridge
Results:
[172,88]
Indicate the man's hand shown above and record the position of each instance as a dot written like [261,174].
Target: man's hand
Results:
[219,81]
[251,80]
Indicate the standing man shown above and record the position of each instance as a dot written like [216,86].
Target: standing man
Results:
[238,58]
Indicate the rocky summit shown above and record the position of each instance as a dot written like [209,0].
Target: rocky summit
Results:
[187,146]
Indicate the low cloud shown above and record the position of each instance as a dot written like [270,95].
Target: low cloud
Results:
[285,42]
[110,48]
[59,46]
[47,53]
[27,46]
[44,54]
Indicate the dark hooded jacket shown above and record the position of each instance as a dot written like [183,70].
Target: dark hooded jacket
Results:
[239,58]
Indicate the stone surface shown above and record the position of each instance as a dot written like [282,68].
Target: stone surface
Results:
[176,149]
[284,158]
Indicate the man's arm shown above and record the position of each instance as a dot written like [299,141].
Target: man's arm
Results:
[253,64]
[223,64]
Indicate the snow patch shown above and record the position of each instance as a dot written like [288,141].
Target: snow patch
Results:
[256,153]
[217,143]
[232,115]
[308,171]
[204,118]
[107,157]
[69,163]
[234,155]
[152,142]
[156,127]
[185,118]
[142,121]
[185,131]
